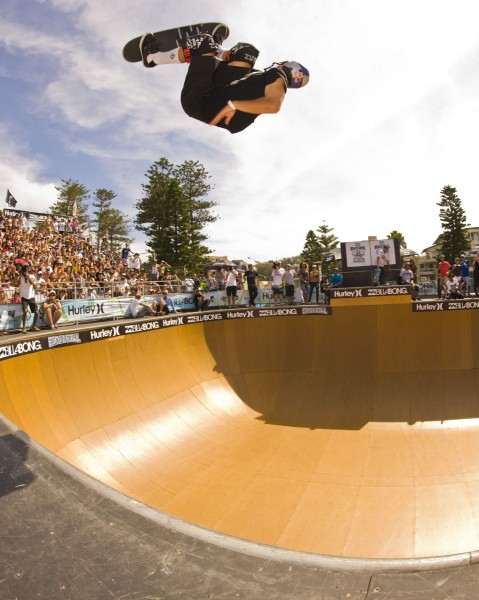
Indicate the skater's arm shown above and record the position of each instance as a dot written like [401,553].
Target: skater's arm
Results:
[270,103]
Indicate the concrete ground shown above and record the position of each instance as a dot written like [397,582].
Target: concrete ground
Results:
[61,539]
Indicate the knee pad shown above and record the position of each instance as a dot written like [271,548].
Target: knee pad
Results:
[244,52]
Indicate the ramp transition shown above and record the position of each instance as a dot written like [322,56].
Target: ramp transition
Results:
[355,434]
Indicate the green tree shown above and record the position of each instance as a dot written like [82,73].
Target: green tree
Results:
[174,211]
[453,222]
[396,235]
[109,223]
[312,248]
[192,177]
[117,227]
[70,194]
[327,240]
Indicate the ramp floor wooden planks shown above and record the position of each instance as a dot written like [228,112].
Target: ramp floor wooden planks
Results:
[352,435]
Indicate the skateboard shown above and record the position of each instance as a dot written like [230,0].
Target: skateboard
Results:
[169,39]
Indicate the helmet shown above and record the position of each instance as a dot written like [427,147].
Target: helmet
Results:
[298,76]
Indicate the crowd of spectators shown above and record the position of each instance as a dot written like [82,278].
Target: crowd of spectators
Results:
[62,258]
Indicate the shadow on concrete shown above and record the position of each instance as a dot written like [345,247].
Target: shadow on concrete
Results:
[14,473]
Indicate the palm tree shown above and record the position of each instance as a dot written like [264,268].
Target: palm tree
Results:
[396,235]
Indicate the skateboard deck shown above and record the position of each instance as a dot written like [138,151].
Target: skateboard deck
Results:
[169,39]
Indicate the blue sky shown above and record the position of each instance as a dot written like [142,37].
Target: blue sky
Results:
[390,115]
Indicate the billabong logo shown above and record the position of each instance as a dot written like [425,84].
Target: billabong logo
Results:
[20,348]
[137,328]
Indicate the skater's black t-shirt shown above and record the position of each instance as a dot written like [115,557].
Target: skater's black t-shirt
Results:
[209,85]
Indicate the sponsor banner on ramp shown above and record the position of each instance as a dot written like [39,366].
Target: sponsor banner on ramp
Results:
[371,292]
[95,333]
[441,305]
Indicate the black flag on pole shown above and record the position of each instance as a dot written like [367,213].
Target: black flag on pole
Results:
[10,200]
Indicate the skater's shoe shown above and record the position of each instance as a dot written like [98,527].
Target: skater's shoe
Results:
[244,52]
[199,44]
[296,74]
[220,33]
[148,46]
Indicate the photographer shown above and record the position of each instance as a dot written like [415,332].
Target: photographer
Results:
[26,288]
[200,300]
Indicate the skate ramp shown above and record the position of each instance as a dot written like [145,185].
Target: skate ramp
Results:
[353,435]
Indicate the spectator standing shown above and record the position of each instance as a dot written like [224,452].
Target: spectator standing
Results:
[251,276]
[136,262]
[314,277]
[277,285]
[465,273]
[456,269]
[304,281]
[443,268]
[219,278]
[407,276]
[26,289]
[475,273]
[414,269]
[189,284]
[288,279]
[23,223]
[324,287]
[231,286]
[125,254]
[155,271]
[382,263]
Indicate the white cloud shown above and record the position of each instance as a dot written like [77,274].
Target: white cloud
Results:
[389,116]
[21,174]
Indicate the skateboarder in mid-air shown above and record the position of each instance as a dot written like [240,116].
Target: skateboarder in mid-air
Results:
[221,87]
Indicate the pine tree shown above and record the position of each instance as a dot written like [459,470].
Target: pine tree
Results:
[71,194]
[174,211]
[327,241]
[312,249]
[454,223]
[117,226]
[192,177]
[109,223]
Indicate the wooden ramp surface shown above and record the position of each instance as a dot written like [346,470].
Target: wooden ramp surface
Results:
[351,435]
